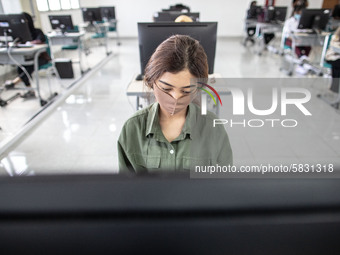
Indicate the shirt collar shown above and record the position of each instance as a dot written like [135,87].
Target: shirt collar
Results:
[152,124]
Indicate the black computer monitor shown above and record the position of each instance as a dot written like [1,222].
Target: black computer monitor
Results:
[150,35]
[179,7]
[168,215]
[62,22]
[91,14]
[172,15]
[13,26]
[108,12]
[276,14]
[315,19]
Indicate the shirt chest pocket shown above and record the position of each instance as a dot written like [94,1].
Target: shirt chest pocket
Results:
[147,162]
[192,163]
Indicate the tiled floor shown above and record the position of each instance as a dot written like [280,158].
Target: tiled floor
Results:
[80,135]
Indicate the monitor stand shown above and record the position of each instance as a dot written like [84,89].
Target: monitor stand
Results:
[139,77]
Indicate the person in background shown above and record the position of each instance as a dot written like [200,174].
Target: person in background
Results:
[251,15]
[333,58]
[172,134]
[183,18]
[336,11]
[38,38]
[300,3]
[295,3]
[291,26]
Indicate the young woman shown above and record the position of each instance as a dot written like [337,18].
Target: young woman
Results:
[291,26]
[171,134]
[38,38]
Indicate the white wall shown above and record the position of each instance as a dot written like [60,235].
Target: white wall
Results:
[77,18]
[230,14]
[11,6]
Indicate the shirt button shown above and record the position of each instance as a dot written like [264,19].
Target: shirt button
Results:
[171,151]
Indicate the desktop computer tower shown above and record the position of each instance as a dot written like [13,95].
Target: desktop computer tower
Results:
[64,68]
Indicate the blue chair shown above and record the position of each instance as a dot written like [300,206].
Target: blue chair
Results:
[49,67]
[71,46]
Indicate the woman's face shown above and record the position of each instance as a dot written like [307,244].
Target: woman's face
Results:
[174,92]
[177,85]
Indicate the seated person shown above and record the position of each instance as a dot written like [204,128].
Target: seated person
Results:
[333,58]
[183,18]
[180,7]
[172,134]
[336,12]
[291,26]
[251,15]
[38,38]
[303,3]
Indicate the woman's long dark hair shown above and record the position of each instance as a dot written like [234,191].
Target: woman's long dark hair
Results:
[175,54]
[30,23]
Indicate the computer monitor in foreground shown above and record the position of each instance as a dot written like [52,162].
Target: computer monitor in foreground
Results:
[91,14]
[276,14]
[108,13]
[62,22]
[168,214]
[315,19]
[150,35]
[172,15]
[14,26]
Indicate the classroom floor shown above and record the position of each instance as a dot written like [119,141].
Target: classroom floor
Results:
[79,134]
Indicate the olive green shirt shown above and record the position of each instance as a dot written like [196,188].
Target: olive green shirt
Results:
[142,146]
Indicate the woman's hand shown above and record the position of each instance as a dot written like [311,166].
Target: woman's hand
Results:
[36,42]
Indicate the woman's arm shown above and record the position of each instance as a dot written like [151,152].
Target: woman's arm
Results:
[39,38]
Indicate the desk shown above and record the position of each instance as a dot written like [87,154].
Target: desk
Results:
[137,88]
[25,56]
[68,39]
[99,29]
[265,28]
[249,23]
[113,25]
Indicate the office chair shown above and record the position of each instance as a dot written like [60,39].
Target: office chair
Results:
[50,70]
[71,46]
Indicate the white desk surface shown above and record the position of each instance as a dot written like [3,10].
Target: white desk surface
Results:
[24,51]
[68,35]
[336,49]
[302,34]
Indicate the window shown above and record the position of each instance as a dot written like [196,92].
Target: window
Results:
[56,5]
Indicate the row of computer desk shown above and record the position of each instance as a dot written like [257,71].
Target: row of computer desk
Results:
[298,39]
[30,55]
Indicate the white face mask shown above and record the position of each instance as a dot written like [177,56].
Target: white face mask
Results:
[170,104]
[297,16]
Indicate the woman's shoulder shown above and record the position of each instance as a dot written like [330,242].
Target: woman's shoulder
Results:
[141,115]
[206,117]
